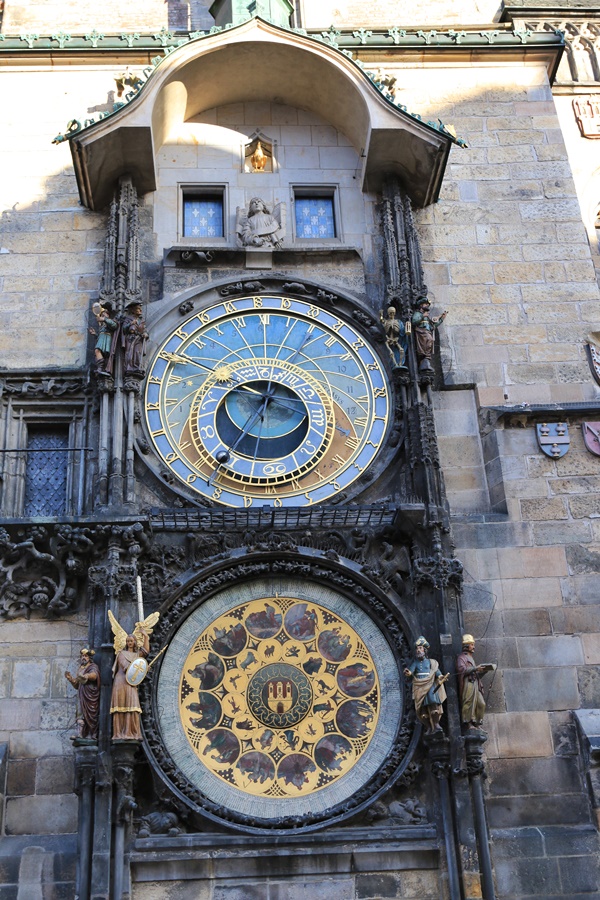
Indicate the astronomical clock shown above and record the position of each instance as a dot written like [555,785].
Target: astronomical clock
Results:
[266,400]
[279,700]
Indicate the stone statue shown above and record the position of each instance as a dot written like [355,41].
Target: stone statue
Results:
[133,339]
[87,684]
[470,689]
[427,687]
[425,327]
[129,670]
[395,338]
[160,823]
[258,227]
[104,350]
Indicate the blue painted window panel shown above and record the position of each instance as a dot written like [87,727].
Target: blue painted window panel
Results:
[46,472]
[203,217]
[314,217]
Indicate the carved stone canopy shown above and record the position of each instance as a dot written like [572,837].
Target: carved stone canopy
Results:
[258,61]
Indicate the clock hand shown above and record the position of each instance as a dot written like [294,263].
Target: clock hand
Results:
[296,352]
[271,397]
[184,360]
[259,414]
[262,422]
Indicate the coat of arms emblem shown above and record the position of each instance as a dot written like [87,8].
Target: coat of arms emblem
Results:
[553,438]
[591,436]
[593,355]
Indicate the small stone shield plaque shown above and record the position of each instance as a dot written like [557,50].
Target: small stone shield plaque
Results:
[591,436]
[136,672]
[593,355]
[553,438]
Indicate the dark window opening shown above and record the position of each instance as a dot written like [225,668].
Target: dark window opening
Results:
[47,462]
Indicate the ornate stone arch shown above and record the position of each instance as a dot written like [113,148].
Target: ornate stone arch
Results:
[259,61]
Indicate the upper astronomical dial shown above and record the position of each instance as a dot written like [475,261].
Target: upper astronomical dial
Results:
[266,400]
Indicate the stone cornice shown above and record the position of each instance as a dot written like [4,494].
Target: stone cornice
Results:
[134,44]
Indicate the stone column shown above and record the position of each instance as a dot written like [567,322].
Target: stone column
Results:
[85,771]
[438,747]
[474,741]
[124,804]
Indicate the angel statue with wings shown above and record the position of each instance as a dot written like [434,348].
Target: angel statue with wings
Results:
[258,227]
[129,670]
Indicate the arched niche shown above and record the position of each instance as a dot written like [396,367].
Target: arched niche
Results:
[257,61]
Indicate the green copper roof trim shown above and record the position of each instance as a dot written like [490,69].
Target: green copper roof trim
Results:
[409,38]
[170,41]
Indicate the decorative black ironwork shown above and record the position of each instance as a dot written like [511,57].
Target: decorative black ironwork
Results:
[280,519]
[46,472]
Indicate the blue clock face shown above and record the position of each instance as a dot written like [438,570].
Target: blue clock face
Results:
[266,400]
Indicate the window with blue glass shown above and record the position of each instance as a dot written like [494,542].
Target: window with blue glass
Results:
[315,217]
[46,472]
[203,216]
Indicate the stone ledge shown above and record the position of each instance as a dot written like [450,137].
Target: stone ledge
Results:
[193,256]
[343,851]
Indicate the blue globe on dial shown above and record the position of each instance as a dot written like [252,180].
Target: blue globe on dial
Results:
[266,400]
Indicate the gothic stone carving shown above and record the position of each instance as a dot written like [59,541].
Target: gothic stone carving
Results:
[258,227]
[41,569]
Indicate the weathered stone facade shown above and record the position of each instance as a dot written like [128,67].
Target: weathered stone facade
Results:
[461,523]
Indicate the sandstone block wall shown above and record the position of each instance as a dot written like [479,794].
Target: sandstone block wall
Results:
[506,252]
[48,16]
[51,249]
[37,719]
[430,13]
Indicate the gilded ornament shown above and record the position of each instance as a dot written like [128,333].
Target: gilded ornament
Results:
[280,695]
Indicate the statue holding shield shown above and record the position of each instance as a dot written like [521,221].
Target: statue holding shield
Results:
[129,670]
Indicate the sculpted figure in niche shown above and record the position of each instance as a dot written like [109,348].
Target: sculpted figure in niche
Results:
[427,687]
[395,338]
[133,339]
[470,687]
[258,159]
[129,670]
[424,329]
[104,350]
[86,682]
[260,228]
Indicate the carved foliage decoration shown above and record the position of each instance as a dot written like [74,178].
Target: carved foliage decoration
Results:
[120,547]
[437,571]
[41,569]
[381,558]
